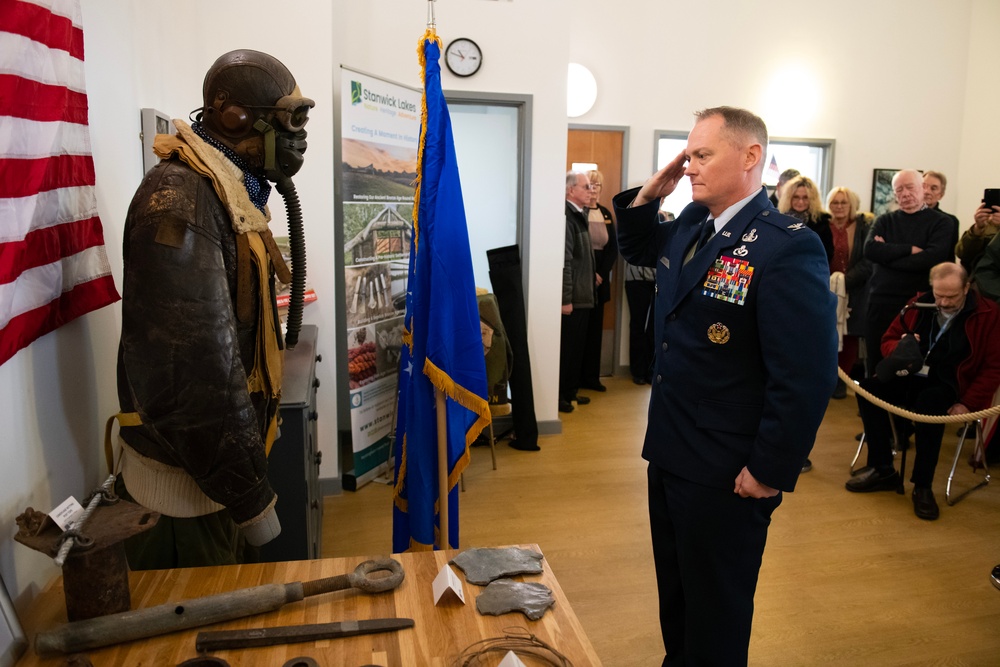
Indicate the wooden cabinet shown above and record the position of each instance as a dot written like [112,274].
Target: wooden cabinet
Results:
[293,464]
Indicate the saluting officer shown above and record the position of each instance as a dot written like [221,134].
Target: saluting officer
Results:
[746,360]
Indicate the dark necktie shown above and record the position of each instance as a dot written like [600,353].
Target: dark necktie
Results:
[707,232]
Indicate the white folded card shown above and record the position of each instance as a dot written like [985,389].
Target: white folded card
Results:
[446,580]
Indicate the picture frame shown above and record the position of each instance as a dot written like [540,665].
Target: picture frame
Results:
[883,199]
[152,123]
[12,639]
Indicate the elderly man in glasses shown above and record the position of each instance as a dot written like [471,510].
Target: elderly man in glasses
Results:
[578,290]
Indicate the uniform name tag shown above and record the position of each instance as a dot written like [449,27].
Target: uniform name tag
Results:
[728,280]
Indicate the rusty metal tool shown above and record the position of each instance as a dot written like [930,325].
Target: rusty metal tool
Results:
[173,616]
[221,640]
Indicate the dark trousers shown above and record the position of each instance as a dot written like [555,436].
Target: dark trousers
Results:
[707,549]
[878,318]
[640,327]
[590,371]
[505,276]
[571,337]
[918,394]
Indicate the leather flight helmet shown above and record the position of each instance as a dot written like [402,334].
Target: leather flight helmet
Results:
[243,86]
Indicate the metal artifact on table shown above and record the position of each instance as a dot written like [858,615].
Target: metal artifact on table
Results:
[174,616]
[506,595]
[481,566]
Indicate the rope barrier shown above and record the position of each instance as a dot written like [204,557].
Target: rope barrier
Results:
[914,416]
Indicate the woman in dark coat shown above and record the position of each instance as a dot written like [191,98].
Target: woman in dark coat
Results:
[800,198]
[848,230]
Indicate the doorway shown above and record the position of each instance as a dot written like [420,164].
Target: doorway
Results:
[604,147]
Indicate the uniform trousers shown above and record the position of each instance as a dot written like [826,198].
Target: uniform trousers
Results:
[707,548]
[922,395]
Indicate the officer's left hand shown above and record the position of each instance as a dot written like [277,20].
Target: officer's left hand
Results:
[748,487]
[958,409]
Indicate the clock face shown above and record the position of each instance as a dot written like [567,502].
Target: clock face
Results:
[463,57]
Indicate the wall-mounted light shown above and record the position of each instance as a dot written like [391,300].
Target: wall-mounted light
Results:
[581,90]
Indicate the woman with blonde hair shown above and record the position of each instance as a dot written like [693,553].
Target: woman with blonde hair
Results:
[604,242]
[848,230]
[800,198]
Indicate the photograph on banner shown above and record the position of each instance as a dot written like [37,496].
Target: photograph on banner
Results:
[377,172]
[376,232]
[370,294]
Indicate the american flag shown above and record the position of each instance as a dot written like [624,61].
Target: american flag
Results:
[53,266]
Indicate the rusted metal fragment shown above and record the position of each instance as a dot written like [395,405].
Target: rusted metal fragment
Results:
[506,595]
[481,566]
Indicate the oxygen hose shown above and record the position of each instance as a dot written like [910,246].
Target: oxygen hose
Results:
[297,241]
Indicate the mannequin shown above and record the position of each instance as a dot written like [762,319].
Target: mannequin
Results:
[201,350]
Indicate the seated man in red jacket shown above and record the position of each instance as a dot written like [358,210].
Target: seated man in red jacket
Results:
[956,331]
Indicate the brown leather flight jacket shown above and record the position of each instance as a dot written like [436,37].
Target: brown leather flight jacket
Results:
[185,351]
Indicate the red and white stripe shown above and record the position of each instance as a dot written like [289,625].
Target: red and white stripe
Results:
[53,266]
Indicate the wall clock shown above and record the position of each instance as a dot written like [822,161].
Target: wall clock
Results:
[463,57]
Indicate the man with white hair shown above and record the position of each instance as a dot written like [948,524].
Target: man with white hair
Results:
[955,370]
[902,245]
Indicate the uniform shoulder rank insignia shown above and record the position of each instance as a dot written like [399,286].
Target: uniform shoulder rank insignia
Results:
[728,280]
[750,236]
[797,225]
[718,333]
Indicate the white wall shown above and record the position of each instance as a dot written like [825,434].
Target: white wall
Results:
[901,83]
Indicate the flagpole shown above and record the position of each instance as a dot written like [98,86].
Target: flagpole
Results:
[442,447]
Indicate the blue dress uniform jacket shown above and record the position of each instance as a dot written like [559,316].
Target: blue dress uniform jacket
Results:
[746,341]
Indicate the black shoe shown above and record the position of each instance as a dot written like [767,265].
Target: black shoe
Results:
[639,381]
[924,505]
[840,391]
[525,446]
[594,386]
[581,400]
[807,466]
[565,406]
[859,436]
[874,479]
[995,577]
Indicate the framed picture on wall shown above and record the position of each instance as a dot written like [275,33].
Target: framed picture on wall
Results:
[152,123]
[883,200]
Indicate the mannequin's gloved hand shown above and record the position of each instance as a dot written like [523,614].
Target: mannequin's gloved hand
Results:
[262,528]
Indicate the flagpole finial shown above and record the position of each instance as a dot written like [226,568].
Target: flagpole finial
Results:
[431,23]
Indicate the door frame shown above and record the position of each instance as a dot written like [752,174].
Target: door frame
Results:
[523,104]
[617,367]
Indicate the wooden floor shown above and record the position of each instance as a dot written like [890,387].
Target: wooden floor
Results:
[848,579]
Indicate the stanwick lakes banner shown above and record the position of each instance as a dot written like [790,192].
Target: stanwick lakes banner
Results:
[380,128]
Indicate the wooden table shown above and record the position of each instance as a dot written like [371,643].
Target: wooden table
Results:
[439,635]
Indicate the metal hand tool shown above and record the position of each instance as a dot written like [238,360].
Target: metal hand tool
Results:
[173,616]
[221,640]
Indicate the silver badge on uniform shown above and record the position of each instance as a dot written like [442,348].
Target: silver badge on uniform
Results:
[750,236]
[741,251]
[797,225]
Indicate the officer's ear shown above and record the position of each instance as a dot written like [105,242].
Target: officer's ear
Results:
[752,157]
